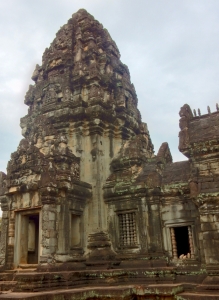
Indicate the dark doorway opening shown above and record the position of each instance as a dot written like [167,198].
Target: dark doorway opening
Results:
[33,239]
[182,240]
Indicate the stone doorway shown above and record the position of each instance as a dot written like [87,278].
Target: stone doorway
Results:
[182,240]
[27,239]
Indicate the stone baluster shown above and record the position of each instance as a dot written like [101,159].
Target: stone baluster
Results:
[127,229]
[191,246]
[134,228]
[173,241]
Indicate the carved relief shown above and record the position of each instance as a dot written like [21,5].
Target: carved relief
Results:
[96,92]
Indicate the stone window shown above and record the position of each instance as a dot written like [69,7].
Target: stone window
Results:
[182,242]
[127,229]
[75,230]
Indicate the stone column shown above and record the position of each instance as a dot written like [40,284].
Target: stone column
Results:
[4,229]
[155,241]
[98,238]
[63,231]
[98,210]
[11,234]
[210,236]
[48,234]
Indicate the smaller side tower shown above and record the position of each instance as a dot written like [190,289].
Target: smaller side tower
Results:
[199,140]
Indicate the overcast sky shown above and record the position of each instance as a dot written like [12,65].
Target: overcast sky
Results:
[171,48]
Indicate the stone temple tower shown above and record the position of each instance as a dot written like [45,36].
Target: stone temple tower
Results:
[86,202]
[82,110]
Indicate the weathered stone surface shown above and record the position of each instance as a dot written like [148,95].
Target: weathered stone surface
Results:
[86,202]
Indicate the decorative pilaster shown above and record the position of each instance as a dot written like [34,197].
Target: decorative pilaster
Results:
[155,245]
[49,234]
[11,235]
[4,230]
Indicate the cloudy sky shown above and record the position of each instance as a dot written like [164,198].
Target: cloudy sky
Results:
[171,48]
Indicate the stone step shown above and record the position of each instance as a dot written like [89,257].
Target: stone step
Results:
[27,266]
[6,276]
[32,271]
[189,286]
[207,287]
[198,296]
[7,285]
[104,292]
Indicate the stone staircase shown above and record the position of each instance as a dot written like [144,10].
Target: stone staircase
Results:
[27,283]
